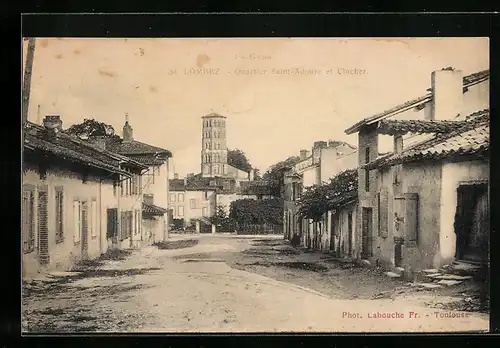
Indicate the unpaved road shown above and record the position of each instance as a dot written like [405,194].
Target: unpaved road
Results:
[226,283]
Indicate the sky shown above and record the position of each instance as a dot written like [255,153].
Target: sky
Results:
[270,115]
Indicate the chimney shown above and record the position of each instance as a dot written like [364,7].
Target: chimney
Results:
[53,122]
[303,154]
[148,199]
[447,94]
[320,145]
[250,175]
[127,130]
[98,141]
[176,176]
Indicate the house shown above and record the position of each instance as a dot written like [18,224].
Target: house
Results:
[67,190]
[192,200]
[412,212]
[153,188]
[326,160]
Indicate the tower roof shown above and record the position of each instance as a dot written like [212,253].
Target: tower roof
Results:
[213,115]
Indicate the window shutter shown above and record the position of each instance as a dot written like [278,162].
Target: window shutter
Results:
[411,218]
[383,214]
[43,228]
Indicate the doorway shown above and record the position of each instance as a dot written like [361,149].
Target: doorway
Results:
[472,222]
[349,233]
[367,230]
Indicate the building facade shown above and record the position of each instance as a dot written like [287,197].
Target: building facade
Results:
[411,212]
[67,189]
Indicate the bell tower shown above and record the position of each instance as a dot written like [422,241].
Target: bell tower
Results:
[213,146]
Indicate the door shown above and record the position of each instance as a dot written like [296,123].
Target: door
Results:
[85,246]
[475,223]
[112,222]
[367,228]
[349,233]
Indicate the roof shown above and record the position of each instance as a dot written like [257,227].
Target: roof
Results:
[198,184]
[393,127]
[137,148]
[473,137]
[256,187]
[71,148]
[151,209]
[213,115]
[146,160]
[468,81]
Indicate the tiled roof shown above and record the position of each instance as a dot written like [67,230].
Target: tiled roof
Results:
[468,80]
[147,160]
[151,209]
[472,138]
[135,147]
[176,185]
[256,187]
[70,148]
[392,127]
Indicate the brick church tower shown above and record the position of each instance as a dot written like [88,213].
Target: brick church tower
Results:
[214,146]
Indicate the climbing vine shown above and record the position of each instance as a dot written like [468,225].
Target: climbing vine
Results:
[319,199]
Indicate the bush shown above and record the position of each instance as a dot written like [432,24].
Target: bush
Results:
[250,211]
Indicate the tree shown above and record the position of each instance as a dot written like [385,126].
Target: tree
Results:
[319,199]
[251,211]
[238,159]
[275,174]
[256,174]
[90,128]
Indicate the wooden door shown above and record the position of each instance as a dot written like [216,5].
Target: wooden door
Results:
[85,246]
[367,230]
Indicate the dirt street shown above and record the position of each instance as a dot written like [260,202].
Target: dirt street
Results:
[227,283]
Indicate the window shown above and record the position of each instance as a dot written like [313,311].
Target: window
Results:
[173,211]
[172,197]
[192,203]
[181,211]
[59,214]
[205,194]
[114,189]
[28,217]
[93,219]
[181,197]
[204,211]
[383,214]
[77,221]
[121,188]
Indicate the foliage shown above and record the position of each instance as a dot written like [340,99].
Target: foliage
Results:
[275,174]
[250,211]
[91,128]
[221,219]
[178,224]
[238,159]
[256,174]
[319,199]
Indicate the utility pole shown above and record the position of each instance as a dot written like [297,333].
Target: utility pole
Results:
[27,80]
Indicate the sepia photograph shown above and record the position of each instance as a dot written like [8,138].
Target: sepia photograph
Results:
[239,185]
